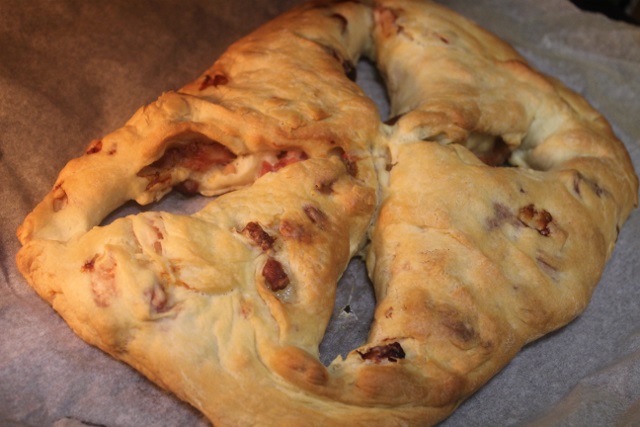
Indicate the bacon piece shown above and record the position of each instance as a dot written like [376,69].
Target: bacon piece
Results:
[275,276]
[392,352]
[536,219]
[198,156]
[94,147]
[215,81]
[188,187]
[260,237]
[89,265]
[285,158]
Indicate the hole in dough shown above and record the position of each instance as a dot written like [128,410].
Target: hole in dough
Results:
[212,179]
[371,83]
[349,330]
[491,150]
[174,202]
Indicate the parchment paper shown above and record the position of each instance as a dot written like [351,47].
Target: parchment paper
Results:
[72,71]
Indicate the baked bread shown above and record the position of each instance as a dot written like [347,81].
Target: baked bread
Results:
[469,260]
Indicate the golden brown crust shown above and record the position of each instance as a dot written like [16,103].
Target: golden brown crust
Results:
[226,307]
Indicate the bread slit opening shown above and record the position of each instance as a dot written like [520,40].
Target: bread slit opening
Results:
[194,164]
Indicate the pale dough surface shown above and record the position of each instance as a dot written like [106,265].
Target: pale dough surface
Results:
[401,157]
